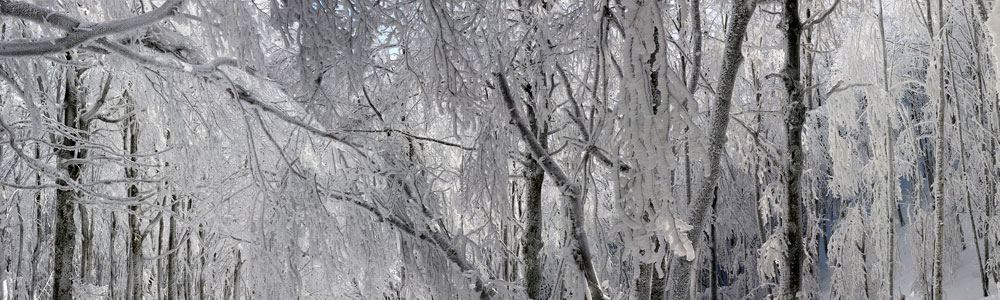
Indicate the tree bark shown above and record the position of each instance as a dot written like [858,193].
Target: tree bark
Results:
[136,260]
[172,263]
[532,239]
[939,166]
[732,59]
[66,196]
[581,248]
[792,279]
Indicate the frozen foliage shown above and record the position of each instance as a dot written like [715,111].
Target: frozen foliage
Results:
[535,149]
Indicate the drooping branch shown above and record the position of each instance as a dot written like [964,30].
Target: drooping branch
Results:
[433,237]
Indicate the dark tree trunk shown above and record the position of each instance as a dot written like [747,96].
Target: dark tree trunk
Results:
[67,196]
[792,281]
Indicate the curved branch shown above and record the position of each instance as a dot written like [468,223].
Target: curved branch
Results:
[78,32]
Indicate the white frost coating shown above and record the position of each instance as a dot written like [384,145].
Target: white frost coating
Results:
[993,29]
[187,67]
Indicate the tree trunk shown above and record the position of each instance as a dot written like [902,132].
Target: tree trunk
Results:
[732,59]
[532,239]
[188,293]
[39,234]
[236,275]
[792,279]
[67,196]
[112,252]
[714,265]
[136,260]
[893,181]
[579,244]
[939,168]
[86,243]
[172,264]
[201,267]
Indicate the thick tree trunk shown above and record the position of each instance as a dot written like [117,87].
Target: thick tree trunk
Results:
[791,281]
[732,59]
[532,239]
[67,196]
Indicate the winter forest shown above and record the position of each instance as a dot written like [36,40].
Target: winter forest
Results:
[499,149]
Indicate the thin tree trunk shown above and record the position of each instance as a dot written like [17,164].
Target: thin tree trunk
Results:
[112,252]
[136,260]
[968,193]
[39,233]
[892,180]
[20,249]
[714,265]
[732,59]
[659,285]
[201,267]
[160,263]
[188,293]
[172,263]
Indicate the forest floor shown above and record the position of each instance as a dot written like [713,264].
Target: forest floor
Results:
[962,283]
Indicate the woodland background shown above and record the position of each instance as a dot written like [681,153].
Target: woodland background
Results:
[511,149]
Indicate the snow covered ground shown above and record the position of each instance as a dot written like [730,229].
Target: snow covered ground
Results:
[963,284]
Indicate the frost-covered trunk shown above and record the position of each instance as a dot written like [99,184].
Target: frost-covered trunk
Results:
[67,197]
[732,59]
[939,163]
[892,179]
[792,279]
[532,239]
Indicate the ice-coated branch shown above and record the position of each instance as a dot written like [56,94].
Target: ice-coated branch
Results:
[577,116]
[78,33]
[581,251]
[821,17]
[433,237]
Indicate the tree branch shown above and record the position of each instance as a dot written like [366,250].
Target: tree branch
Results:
[78,32]
[581,251]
